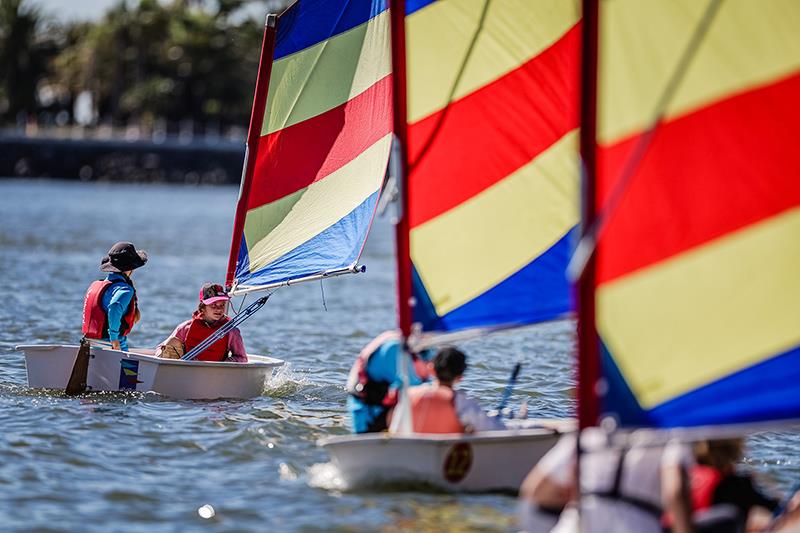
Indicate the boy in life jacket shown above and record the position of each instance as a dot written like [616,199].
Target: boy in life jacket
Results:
[439,408]
[374,381]
[110,308]
[209,317]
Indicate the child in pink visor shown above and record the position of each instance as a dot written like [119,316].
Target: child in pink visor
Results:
[209,317]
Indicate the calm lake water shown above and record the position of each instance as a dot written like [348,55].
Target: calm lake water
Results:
[141,462]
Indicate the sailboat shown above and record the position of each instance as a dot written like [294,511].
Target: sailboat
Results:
[486,124]
[689,308]
[317,151]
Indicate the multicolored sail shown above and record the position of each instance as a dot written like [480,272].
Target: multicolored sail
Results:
[698,264]
[493,175]
[319,157]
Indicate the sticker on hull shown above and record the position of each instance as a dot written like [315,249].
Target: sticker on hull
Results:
[128,374]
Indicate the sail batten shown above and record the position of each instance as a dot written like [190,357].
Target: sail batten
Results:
[324,143]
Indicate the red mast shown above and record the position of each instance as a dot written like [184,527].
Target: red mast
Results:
[397,9]
[588,353]
[253,138]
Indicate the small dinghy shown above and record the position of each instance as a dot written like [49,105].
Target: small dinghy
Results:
[492,461]
[50,366]
[317,152]
[486,162]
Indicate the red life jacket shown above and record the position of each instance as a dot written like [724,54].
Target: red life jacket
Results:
[433,409]
[95,318]
[199,331]
[704,482]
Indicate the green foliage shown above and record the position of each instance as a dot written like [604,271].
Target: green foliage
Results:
[146,60]
[25,49]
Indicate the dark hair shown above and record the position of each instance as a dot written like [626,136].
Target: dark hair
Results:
[449,364]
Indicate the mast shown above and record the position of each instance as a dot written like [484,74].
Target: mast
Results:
[588,354]
[404,295]
[253,138]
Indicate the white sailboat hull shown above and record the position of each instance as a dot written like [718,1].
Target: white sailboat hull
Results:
[49,367]
[483,462]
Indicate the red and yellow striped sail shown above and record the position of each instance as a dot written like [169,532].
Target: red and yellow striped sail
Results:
[324,143]
[698,266]
[493,175]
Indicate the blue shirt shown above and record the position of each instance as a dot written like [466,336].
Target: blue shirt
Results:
[381,366]
[115,302]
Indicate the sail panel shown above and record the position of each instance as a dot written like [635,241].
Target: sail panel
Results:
[539,287]
[698,297]
[310,151]
[340,243]
[309,22]
[495,131]
[493,180]
[760,47]
[324,76]
[539,196]
[325,142]
[310,212]
[494,42]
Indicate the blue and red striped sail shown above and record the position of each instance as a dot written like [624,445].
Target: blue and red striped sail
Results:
[698,263]
[493,177]
[319,143]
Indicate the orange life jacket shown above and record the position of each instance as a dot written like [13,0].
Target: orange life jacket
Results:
[95,318]
[199,331]
[433,409]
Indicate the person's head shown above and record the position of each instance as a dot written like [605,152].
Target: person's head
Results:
[213,302]
[123,258]
[722,454]
[449,365]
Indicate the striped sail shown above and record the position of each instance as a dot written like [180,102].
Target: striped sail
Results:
[698,265]
[493,176]
[324,144]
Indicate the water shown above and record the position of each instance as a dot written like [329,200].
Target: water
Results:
[138,461]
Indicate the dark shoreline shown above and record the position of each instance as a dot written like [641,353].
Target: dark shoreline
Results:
[170,161]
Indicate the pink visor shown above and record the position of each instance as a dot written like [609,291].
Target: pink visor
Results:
[213,293]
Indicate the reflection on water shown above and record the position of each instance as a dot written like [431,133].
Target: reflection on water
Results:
[145,461]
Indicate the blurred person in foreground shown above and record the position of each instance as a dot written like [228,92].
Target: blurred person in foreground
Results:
[623,488]
[110,307]
[724,499]
[207,319]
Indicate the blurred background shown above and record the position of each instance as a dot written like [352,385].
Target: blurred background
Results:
[128,90]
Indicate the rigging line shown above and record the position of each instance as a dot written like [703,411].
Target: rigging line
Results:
[446,110]
[241,305]
[588,243]
[322,290]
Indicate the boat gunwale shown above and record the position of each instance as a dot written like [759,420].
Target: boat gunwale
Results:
[254,360]
[506,435]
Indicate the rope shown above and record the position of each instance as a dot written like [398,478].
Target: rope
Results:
[224,330]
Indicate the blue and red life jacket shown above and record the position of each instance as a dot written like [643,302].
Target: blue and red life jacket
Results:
[95,318]
[200,330]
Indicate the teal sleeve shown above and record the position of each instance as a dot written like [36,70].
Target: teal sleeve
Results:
[120,300]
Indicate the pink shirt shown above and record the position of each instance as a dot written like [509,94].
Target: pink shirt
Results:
[235,342]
